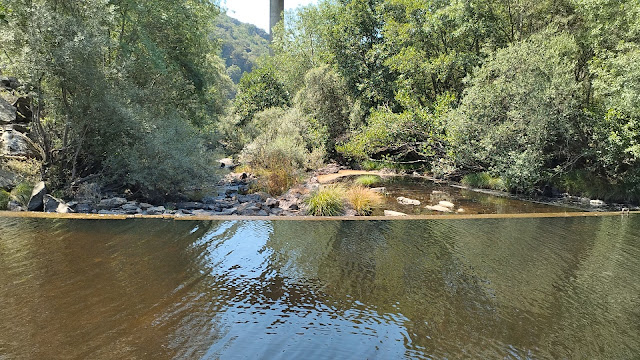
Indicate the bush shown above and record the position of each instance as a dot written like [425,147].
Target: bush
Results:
[259,90]
[585,183]
[22,193]
[326,201]
[368,180]
[363,199]
[4,199]
[483,180]
[521,117]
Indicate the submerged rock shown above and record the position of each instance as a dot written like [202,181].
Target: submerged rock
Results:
[406,201]
[393,213]
[446,204]
[439,208]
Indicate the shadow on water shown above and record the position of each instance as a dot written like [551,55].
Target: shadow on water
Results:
[520,288]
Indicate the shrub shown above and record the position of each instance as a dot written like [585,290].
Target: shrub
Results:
[483,180]
[522,117]
[326,201]
[22,193]
[259,90]
[4,199]
[368,180]
[363,199]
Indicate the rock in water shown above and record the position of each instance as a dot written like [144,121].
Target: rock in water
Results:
[446,204]
[7,112]
[596,203]
[52,204]
[36,202]
[406,201]
[439,208]
[393,213]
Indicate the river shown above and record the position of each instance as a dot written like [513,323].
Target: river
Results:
[419,289]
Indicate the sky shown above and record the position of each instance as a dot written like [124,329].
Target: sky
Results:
[257,11]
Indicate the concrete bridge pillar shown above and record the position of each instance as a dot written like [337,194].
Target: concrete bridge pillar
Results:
[275,15]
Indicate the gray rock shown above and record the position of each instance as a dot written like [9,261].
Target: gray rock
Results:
[111,203]
[8,179]
[203,213]
[110,212]
[10,82]
[393,213]
[294,207]
[262,213]
[190,205]
[406,201]
[596,203]
[83,208]
[230,211]
[227,163]
[52,204]
[271,202]
[439,208]
[156,210]
[14,143]
[380,190]
[36,202]
[276,211]
[7,112]
[131,208]
[145,206]
[15,206]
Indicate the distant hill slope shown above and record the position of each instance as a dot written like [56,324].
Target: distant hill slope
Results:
[242,45]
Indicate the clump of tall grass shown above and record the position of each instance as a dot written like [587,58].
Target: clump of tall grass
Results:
[483,180]
[326,201]
[22,193]
[363,199]
[368,180]
[4,199]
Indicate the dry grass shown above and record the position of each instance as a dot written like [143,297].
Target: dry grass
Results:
[363,199]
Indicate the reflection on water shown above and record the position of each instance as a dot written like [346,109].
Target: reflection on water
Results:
[493,288]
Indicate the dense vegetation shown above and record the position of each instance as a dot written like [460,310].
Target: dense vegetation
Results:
[533,94]
[517,94]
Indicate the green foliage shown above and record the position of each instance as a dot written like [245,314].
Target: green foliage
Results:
[483,180]
[280,139]
[326,201]
[589,184]
[241,45]
[324,99]
[22,193]
[521,115]
[258,91]
[368,180]
[4,199]
[107,76]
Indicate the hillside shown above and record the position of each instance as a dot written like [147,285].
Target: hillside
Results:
[241,45]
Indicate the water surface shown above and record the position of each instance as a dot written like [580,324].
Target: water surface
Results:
[162,289]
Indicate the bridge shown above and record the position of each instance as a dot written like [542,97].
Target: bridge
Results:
[277,8]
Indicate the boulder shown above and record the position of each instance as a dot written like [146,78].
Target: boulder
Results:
[52,204]
[393,213]
[83,208]
[406,201]
[145,206]
[271,202]
[15,206]
[36,202]
[380,190]
[8,179]
[156,210]
[7,112]
[596,203]
[446,204]
[14,143]
[230,211]
[131,208]
[439,208]
[227,163]
[276,211]
[111,203]
[10,83]
[190,205]
[262,213]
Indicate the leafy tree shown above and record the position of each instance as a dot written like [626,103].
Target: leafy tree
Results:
[521,116]
[257,91]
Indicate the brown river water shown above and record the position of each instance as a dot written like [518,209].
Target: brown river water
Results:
[538,288]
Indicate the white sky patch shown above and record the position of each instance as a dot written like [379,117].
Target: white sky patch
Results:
[256,12]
